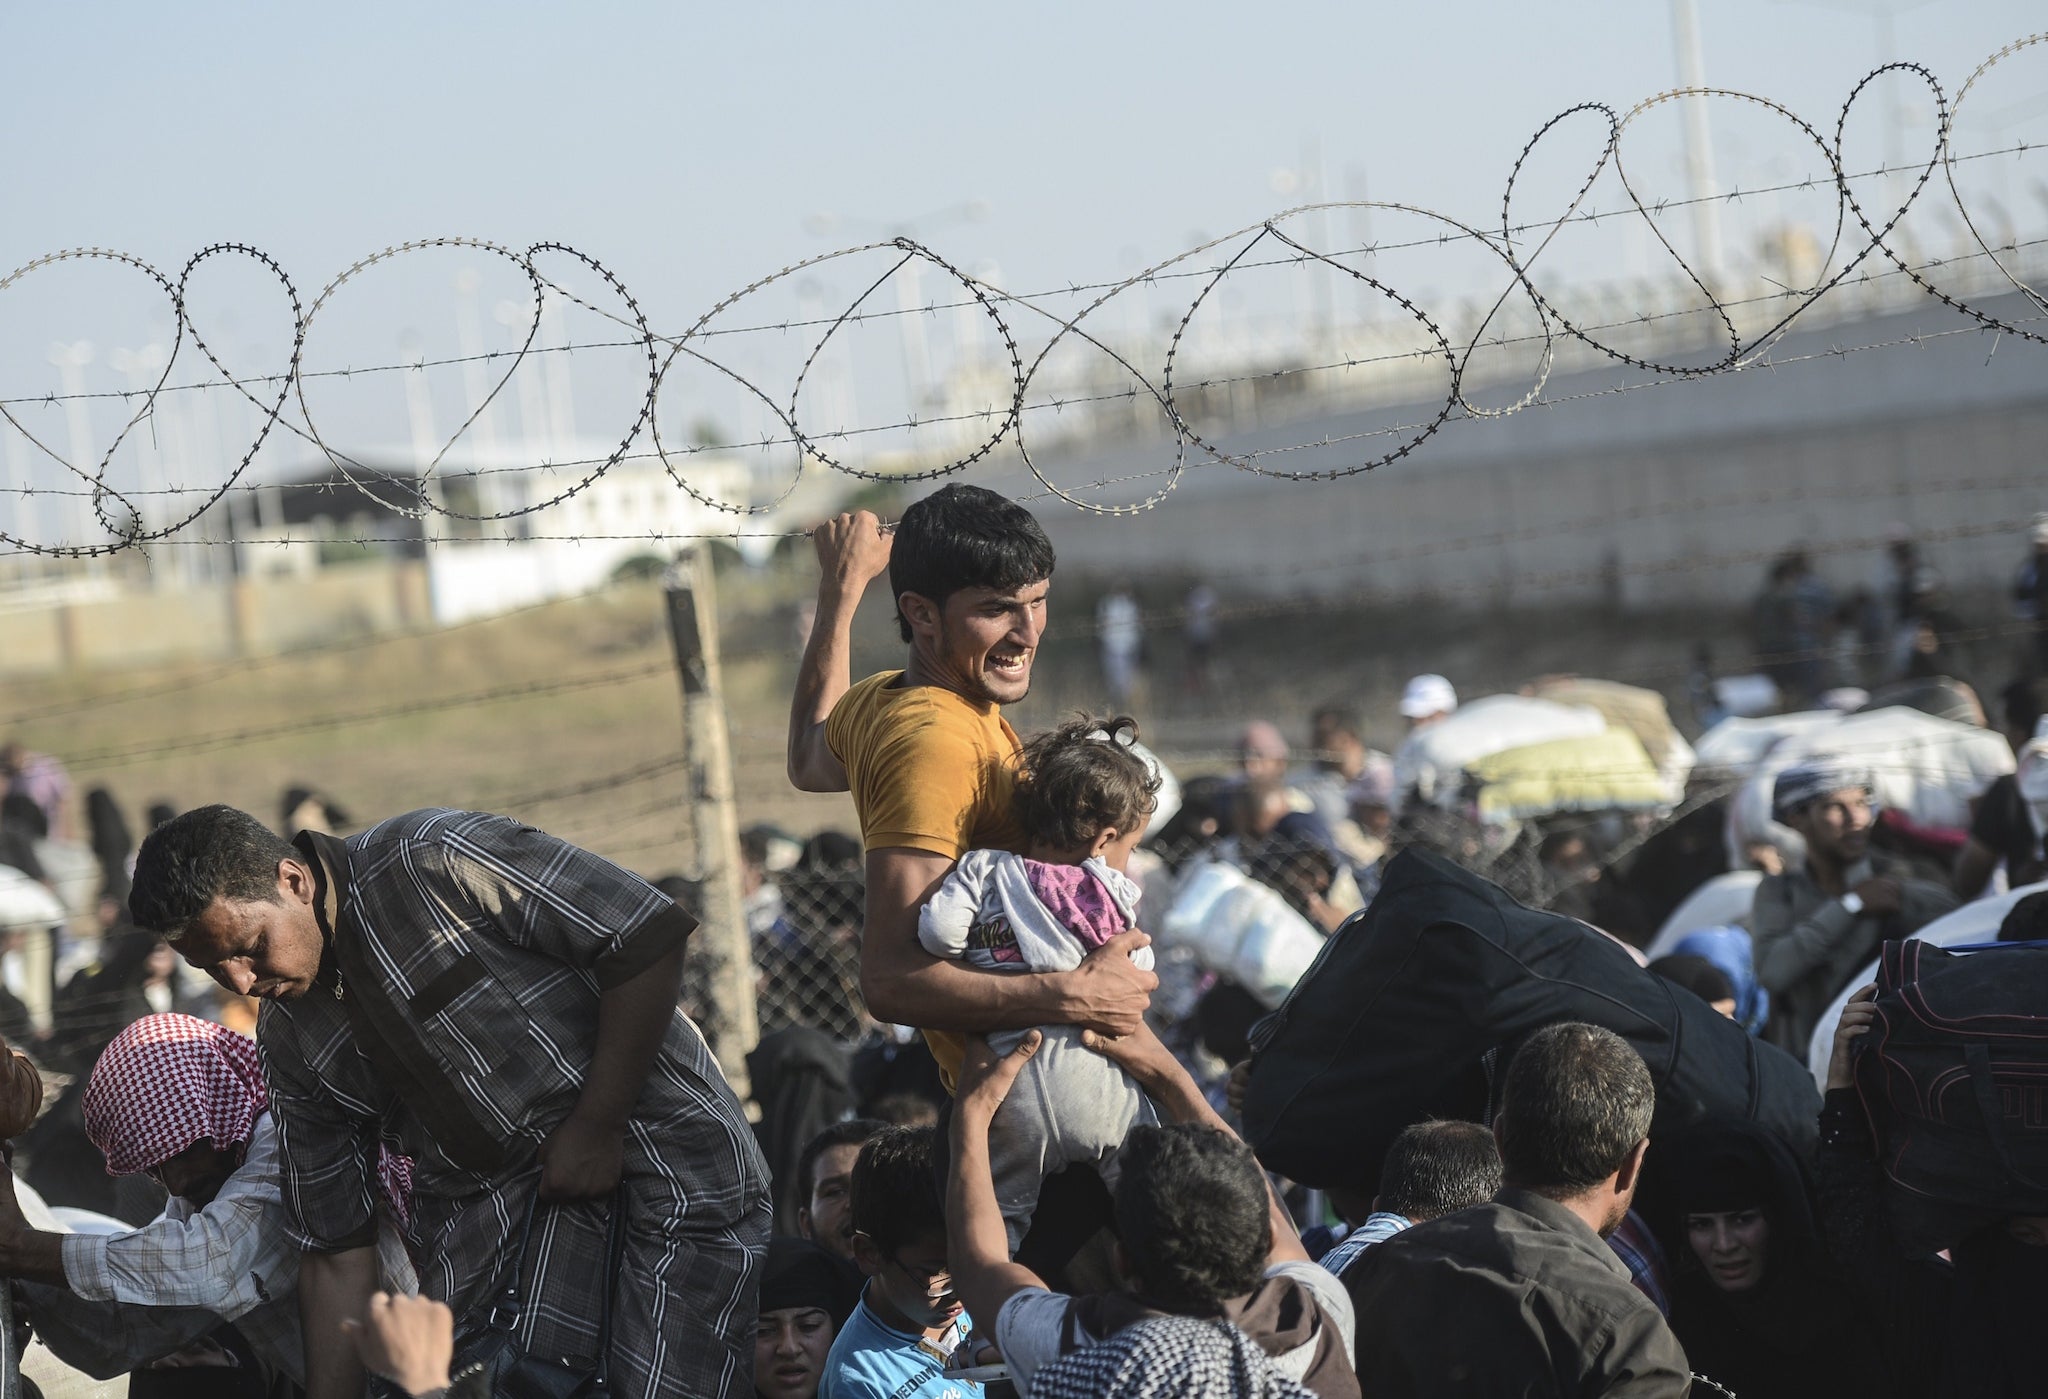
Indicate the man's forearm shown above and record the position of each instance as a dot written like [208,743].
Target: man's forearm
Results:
[632,1017]
[334,1286]
[34,1256]
[978,1243]
[823,677]
[938,995]
[1174,1091]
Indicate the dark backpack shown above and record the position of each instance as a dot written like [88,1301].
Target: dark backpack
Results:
[1954,1077]
[1417,1002]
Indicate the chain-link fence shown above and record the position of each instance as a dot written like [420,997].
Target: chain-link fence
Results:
[1621,870]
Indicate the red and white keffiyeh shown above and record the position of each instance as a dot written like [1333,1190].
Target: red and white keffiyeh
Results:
[168,1082]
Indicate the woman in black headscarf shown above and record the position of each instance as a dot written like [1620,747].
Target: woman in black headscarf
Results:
[1755,1300]
[805,1299]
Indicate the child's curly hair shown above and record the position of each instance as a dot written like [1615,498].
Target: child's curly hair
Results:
[1083,778]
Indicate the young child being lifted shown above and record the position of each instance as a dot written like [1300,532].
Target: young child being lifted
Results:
[1084,799]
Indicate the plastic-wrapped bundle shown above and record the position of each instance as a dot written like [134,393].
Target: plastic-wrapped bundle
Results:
[1239,928]
[1432,758]
[1927,768]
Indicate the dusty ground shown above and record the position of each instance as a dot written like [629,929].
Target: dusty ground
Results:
[506,713]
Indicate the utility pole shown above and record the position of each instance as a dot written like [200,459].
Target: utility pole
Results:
[1699,146]
[690,589]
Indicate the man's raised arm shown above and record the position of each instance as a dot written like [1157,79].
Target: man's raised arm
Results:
[852,552]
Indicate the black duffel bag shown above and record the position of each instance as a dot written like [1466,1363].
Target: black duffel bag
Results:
[1418,1001]
[1954,1077]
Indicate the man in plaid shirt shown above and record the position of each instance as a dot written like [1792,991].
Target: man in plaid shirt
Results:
[501,1006]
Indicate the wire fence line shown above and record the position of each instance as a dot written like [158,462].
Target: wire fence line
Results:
[1865,243]
[1170,474]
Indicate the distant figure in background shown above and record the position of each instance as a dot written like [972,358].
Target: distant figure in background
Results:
[2030,594]
[1120,636]
[1198,631]
[1261,752]
[2005,827]
[798,1077]
[42,779]
[304,809]
[1337,759]
[1788,618]
[1894,582]
[1426,700]
[113,844]
[1817,926]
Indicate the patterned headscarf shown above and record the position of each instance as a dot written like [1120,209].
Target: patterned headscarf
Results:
[1807,782]
[168,1082]
[1173,1357]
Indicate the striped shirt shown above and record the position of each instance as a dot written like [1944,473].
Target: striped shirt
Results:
[455,1018]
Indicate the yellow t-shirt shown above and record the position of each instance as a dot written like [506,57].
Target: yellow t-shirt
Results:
[929,770]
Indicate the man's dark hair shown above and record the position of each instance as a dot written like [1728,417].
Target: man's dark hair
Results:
[2022,703]
[855,1131]
[1333,719]
[214,852]
[1191,1209]
[1695,974]
[1576,1102]
[895,1193]
[2027,920]
[965,537]
[1075,784]
[1434,1168]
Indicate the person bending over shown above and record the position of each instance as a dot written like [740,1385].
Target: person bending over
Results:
[504,1005]
[185,1101]
[1432,1169]
[1522,1296]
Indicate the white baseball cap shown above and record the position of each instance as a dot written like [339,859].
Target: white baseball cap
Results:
[1427,695]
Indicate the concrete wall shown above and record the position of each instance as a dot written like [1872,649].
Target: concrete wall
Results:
[244,618]
[1677,494]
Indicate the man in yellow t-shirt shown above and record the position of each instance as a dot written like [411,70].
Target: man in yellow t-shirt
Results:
[931,761]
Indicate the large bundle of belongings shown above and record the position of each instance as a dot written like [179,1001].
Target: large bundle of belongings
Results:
[1954,1077]
[1574,745]
[1926,768]
[1417,1003]
[1241,929]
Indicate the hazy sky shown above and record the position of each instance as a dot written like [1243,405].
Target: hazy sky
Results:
[696,148]
[687,144]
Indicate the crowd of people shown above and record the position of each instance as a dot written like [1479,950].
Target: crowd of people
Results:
[475,1140]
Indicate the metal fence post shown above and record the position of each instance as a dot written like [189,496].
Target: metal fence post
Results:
[690,588]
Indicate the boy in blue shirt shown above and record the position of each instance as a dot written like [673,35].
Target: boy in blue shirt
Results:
[908,1327]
